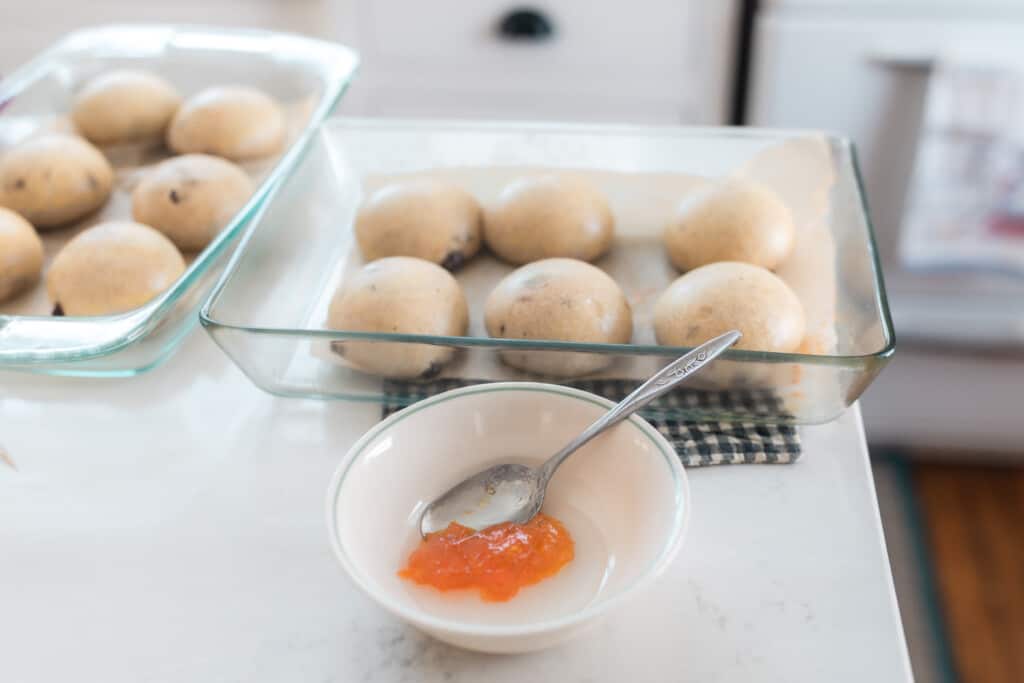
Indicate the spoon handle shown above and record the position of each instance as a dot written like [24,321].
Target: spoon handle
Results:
[664,381]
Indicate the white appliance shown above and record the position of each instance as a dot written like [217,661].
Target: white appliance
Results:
[860,69]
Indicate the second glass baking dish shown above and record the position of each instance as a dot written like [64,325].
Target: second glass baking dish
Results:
[268,310]
[307,75]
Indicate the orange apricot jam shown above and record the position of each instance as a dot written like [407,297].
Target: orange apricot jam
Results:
[497,561]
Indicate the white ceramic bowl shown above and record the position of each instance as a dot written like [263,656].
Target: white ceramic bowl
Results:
[624,498]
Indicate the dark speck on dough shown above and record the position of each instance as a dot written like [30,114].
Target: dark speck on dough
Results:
[57,310]
[453,261]
[501,330]
[93,183]
[566,302]
[19,184]
[338,347]
[433,370]
[692,330]
[373,288]
[175,197]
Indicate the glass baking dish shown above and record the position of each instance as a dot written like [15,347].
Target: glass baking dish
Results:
[308,76]
[268,311]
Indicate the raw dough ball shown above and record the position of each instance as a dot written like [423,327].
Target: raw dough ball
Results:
[735,220]
[428,219]
[399,295]
[21,255]
[54,179]
[112,267]
[719,297]
[125,106]
[559,299]
[549,216]
[191,198]
[234,122]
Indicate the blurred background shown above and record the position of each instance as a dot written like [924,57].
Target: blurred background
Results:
[931,92]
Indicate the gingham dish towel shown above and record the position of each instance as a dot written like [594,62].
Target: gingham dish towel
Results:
[697,443]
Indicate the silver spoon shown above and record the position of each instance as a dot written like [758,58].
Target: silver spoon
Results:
[515,493]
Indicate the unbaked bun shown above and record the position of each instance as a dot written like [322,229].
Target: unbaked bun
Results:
[399,295]
[735,220]
[127,105]
[112,267]
[21,255]
[559,299]
[54,179]
[429,219]
[234,122]
[713,299]
[546,216]
[191,198]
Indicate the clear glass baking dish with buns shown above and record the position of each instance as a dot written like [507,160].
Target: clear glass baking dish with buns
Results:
[270,311]
[305,76]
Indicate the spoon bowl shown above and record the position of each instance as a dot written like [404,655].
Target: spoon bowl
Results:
[503,493]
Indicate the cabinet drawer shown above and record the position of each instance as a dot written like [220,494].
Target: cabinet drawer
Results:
[459,41]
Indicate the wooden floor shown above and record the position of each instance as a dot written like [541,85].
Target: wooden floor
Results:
[974,522]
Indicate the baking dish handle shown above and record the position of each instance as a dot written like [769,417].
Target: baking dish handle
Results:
[36,339]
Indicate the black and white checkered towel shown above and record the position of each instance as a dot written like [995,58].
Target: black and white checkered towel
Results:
[736,441]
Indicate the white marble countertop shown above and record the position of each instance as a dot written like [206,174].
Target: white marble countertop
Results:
[171,527]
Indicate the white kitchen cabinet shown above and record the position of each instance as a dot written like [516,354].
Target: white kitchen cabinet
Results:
[653,61]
